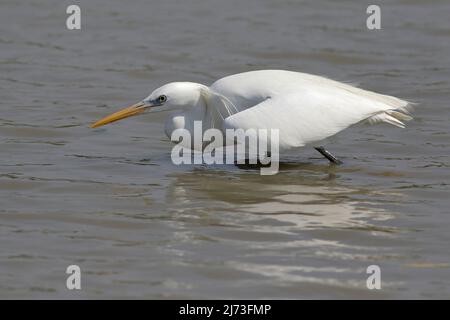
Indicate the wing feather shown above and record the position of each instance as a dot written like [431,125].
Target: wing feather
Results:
[313,115]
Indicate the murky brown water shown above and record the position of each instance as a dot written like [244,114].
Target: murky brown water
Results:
[111,201]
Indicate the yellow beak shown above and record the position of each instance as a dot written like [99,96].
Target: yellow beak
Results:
[122,114]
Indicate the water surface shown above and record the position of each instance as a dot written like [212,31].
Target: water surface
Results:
[111,201]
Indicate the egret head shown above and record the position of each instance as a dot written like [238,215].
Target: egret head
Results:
[172,96]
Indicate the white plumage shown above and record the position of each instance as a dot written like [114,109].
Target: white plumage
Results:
[304,108]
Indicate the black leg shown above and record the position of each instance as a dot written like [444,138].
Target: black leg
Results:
[328,155]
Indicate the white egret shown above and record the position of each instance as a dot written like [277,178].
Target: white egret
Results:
[304,108]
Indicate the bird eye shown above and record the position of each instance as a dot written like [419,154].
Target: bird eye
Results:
[162,98]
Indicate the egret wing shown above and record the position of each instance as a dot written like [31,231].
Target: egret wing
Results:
[309,116]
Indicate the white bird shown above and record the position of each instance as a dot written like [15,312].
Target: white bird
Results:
[304,108]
